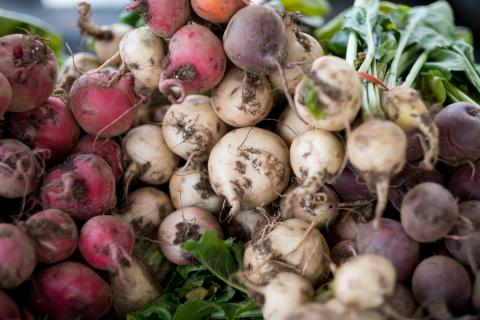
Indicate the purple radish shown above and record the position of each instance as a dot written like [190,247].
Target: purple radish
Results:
[464,184]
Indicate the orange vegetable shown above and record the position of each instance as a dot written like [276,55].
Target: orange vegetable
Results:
[219,11]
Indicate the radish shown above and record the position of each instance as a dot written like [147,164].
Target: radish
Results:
[330,96]
[106,243]
[242,99]
[217,11]
[192,128]
[143,52]
[428,212]
[50,126]
[20,169]
[247,222]
[345,227]
[464,184]
[365,281]
[74,66]
[31,68]
[404,106]
[163,17]
[70,290]
[106,39]
[182,225]
[9,308]
[150,113]
[17,254]
[290,125]
[377,148]
[249,166]
[106,148]
[303,49]
[351,187]
[83,187]
[145,209]
[104,102]
[54,234]
[195,63]
[6,94]
[342,252]
[150,158]
[190,187]
[415,150]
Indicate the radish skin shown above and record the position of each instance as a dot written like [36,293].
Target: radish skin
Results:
[6,95]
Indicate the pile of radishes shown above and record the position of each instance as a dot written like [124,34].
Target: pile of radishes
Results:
[171,130]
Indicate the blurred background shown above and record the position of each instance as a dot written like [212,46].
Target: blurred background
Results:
[62,17]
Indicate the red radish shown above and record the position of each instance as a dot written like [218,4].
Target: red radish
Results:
[51,126]
[196,63]
[6,94]
[104,102]
[54,234]
[70,290]
[31,68]
[163,17]
[9,310]
[106,243]
[106,148]
[83,187]
[17,255]
[20,169]
[74,66]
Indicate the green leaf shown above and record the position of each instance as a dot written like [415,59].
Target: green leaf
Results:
[308,7]
[196,310]
[311,99]
[162,308]
[133,18]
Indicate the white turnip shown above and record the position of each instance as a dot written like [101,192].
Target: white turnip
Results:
[290,125]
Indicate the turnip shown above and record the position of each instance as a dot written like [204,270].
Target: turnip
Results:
[377,148]
[20,169]
[149,156]
[391,242]
[106,39]
[143,52]
[333,89]
[163,17]
[428,212]
[242,99]
[182,225]
[106,148]
[290,125]
[402,301]
[190,187]
[17,254]
[6,94]
[145,209]
[464,184]
[249,166]
[83,187]
[103,102]
[195,63]
[351,187]
[74,66]
[54,234]
[441,285]
[50,126]
[106,243]
[303,49]
[9,308]
[365,281]
[293,244]
[343,251]
[31,69]
[404,106]
[459,128]
[247,222]
[70,290]
[192,128]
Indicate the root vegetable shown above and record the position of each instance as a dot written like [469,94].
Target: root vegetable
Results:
[290,125]
[313,311]
[476,293]
[9,308]
[342,252]
[350,186]
[249,166]
[247,222]
[74,66]
[6,94]
[242,99]
[182,225]
[402,301]
[83,187]
[31,69]
[464,184]
[345,227]
[54,234]
[217,11]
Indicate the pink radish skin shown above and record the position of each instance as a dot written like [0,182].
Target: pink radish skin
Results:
[106,243]
[182,225]
[195,64]
[17,255]
[31,68]
[54,234]
[83,187]
[50,126]
[9,308]
[70,290]
[20,169]
[107,148]
[104,110]
[6,94]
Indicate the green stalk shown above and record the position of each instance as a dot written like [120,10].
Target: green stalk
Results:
[471,72]
[456,95]
[412,75]
[352,49]
[370,48]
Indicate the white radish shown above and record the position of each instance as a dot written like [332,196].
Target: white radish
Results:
[290,125]
[242,99]
[248,221]
[74,66]
[334,92]
[192,128]
[249,166]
